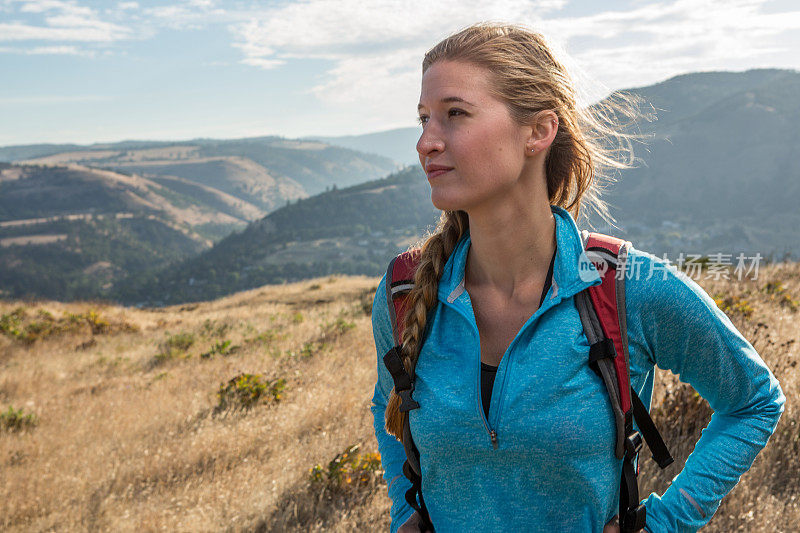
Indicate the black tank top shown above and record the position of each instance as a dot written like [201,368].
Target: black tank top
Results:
[488,372]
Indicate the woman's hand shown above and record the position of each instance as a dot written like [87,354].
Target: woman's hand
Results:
[411,525]
[613,527]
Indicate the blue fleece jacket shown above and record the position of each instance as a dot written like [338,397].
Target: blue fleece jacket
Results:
[554,467]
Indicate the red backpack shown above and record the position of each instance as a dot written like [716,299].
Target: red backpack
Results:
[602,311]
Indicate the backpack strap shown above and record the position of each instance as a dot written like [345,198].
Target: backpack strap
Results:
[603,314]
[399,282]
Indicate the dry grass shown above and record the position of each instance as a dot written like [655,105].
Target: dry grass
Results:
[767,497]
[127,440]
[123,444]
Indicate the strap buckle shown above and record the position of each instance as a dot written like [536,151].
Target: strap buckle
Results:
[634,519]
[633,443]
[407,403]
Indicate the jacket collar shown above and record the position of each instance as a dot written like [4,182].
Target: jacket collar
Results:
[572,271]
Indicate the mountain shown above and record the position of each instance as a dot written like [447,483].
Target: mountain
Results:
[75,220]
[70,231]
[347,231]
[719,169]
[265,171]
[397,144]
[717,176]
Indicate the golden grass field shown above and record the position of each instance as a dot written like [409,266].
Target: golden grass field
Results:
[125,431]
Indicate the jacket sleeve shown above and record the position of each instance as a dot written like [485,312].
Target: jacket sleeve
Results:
[392,453]
[679,327]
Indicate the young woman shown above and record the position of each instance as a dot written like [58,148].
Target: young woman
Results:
[514,430]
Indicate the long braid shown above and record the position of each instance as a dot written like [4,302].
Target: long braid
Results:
[435,251]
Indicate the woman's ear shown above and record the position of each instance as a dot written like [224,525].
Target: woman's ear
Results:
[543,130]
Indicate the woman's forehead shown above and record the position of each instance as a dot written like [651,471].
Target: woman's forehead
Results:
[446,82]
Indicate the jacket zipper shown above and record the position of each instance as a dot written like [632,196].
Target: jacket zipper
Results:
[491,432]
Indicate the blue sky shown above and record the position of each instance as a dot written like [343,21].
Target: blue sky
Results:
[94,71]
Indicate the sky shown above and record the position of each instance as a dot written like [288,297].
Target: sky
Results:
[81,71]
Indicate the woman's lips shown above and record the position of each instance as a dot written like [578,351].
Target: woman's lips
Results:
[438,173]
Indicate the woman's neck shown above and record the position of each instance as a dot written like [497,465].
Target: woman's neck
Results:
[510,251]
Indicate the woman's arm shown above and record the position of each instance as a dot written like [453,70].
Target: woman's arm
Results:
[392,454]
[680,328]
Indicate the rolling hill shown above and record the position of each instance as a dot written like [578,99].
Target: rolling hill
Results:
[74,220]
[718,175]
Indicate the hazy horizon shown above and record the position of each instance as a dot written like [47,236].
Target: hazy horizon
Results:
[87,71]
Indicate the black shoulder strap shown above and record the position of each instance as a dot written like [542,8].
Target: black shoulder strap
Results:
[404,387]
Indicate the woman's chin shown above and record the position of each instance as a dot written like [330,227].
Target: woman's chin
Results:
[445,203]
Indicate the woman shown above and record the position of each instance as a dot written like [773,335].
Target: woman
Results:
[514,430]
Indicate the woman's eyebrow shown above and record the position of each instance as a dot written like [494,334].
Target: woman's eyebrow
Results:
[448,99]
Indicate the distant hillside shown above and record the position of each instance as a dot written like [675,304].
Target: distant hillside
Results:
[342,231]
[719,177]
[265,171]
[397,144]
[74,220]
[70,231]
[720,174]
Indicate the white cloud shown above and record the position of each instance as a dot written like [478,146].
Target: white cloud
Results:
[340,27]
[656,41]
[48,50]
[376,53]
[62,21]
[190,14]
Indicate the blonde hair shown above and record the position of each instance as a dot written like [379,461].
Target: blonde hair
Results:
[526,76]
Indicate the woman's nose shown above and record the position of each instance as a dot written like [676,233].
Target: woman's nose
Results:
[429,141]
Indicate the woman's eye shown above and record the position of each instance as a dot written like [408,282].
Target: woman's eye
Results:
[423,119]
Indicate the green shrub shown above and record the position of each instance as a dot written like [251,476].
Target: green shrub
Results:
[221,348]
[307,350]
[180,341]
[264,337]
[245,391]
[733,305]
[174,346]
[19,326]
[348,469]
[15,420]
[212,329]
[340,326]
[777,291]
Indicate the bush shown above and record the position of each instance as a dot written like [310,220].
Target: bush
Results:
[777,291]
[174,346]
[221,348]
[348,469]
[15,420]
[366,298]
[20,326]
[211,328]
[245,391]
[733,305]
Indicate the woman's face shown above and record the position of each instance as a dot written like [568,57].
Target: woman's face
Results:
[466,128]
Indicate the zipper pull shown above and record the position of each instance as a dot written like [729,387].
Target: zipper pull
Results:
[493,435]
